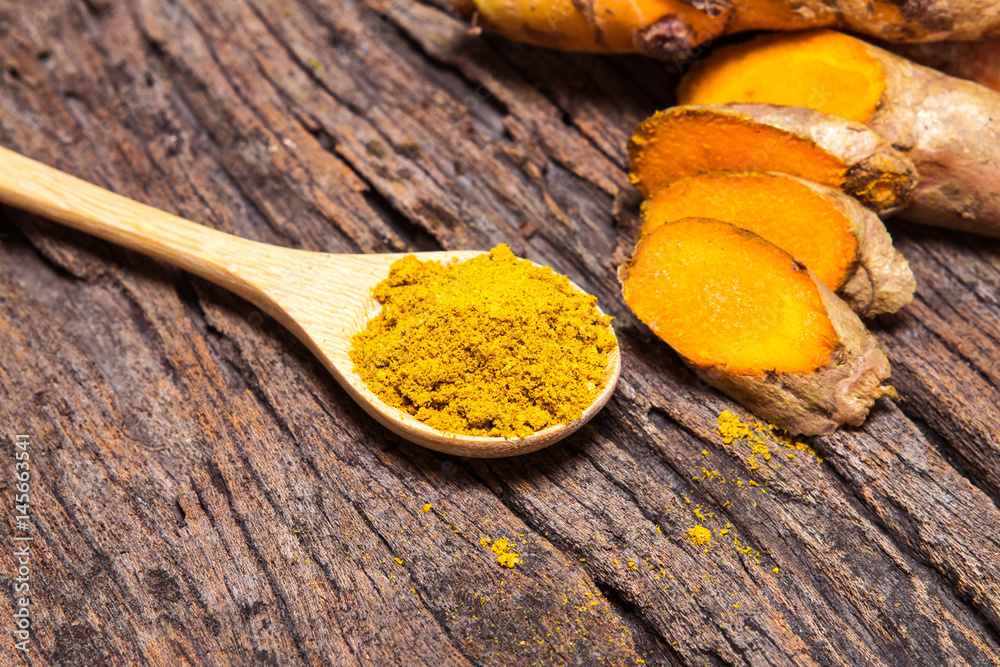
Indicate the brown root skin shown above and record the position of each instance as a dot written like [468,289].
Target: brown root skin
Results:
[841,392]
[973,61]
[951,129]
[870,168]
[673,29]
[882,281]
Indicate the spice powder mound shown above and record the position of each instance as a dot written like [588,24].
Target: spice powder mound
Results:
[493,346]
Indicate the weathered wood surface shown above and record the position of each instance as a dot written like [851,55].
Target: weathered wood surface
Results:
[203,493]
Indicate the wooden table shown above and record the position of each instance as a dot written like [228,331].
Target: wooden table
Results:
[203,493]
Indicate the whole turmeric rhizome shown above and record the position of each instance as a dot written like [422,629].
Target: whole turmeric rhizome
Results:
[495,346]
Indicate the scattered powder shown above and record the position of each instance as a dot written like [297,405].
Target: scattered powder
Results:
[746,549]
[501,548]
[760,448]
[509,559]
[731,428]
[700,535]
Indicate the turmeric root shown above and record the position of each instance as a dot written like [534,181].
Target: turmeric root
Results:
[673,29]
[689,140]
[658,28]
[975,61]
[757,325]
[948,126]
[844,243]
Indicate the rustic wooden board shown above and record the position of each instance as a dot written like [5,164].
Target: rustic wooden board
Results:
[203,493]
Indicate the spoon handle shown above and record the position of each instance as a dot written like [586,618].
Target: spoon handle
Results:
[50,193]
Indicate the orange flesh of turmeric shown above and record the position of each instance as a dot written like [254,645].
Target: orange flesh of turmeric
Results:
[686,142]
[724,297]
[784,211]
[820,69]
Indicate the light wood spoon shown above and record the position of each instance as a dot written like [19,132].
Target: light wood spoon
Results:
[323,299]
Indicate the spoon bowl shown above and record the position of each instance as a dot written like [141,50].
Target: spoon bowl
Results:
[324,299]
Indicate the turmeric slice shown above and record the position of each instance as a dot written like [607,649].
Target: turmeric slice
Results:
[851,81]
[693,139]
[947,126]
[845,244]
[756,324]
[673,29]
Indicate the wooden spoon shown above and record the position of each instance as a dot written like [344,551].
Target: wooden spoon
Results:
[323,299]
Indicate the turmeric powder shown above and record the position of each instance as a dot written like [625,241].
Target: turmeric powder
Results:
[700,535]
[505,556]
[731,428]
[494,346]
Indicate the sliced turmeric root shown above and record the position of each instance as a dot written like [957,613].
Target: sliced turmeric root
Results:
[845,244]
[689,140]
[756,324]
[947,126]
[822,70]
[673,29]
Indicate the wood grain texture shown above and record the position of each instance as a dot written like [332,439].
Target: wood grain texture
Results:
[204,493]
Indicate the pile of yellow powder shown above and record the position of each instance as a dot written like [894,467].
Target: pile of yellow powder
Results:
[494,346]
[501,548]
[700,535]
